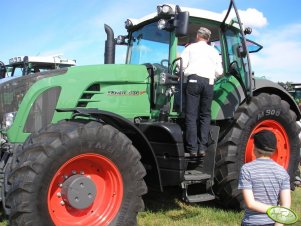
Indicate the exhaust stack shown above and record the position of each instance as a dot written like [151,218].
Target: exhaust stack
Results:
[109,55]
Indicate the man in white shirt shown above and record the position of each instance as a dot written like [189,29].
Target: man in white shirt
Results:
[202,64]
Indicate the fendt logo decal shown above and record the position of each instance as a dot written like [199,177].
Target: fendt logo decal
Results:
[125,93]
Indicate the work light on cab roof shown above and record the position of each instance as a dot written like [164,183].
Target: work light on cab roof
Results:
[165,10]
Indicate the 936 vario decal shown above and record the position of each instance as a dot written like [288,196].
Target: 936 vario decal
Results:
[125,93]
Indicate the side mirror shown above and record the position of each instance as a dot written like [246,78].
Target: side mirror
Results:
[248,31]
[2,70]
[181,22]
[241,51]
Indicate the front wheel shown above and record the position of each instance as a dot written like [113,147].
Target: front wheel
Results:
[267,112]
[76,173]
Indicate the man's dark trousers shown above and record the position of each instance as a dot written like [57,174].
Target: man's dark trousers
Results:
[199,95]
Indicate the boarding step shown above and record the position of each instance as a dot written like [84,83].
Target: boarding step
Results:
[195,186]
[195,175]
[198,198]
[194,159]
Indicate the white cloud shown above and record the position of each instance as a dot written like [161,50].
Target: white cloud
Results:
[279,60]
[250,18]
[253,18]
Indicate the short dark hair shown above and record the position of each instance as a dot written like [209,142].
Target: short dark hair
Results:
[265,140]
[204,33]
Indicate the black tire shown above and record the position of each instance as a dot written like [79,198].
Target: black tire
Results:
[37,165]
[263,110]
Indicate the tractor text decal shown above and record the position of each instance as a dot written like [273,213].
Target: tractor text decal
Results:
[125,93]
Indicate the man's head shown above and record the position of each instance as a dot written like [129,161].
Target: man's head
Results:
[265,142]
[203,33]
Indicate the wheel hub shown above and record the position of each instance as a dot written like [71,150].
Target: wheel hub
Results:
[79,191]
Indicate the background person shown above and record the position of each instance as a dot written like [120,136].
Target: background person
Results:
[264,183]
[202,64]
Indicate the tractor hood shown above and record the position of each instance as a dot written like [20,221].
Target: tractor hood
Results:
[12,90]
[107,86]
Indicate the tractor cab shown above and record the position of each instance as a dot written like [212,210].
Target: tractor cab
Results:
[157,40]
[25,65]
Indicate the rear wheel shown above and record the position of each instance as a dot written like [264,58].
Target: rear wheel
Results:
[75,173]
[262,112]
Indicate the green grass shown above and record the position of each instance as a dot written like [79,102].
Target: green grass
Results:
[166,209]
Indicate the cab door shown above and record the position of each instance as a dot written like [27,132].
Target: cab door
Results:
[237,55]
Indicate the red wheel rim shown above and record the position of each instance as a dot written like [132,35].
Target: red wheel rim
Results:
[108,181]
[282,153]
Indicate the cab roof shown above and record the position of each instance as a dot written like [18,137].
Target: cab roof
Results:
[193,12]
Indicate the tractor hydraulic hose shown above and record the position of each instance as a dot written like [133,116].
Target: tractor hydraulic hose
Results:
[109,55]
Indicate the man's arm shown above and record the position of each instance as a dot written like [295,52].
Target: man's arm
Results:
[219,66]
[185,57]
[252,204]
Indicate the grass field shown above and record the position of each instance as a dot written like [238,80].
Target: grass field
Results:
[167,209]
[164,209]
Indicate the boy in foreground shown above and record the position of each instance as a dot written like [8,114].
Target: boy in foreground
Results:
[263,182]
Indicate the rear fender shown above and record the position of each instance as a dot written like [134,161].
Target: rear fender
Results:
[229,95]
[266,86]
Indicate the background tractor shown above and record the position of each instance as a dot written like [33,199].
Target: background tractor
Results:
[82,145]
[295,91]
[24,65]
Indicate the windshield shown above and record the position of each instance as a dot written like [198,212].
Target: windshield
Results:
[149,45]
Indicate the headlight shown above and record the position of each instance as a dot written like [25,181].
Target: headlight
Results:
[15,60]
[165,11]
[162,24]
[8,120]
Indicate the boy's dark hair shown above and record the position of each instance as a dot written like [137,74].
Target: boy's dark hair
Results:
[266,141]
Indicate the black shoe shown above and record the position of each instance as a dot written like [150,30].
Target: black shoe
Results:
[202,153]
[193,154]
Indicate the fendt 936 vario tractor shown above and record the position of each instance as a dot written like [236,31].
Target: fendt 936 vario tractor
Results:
[82,145]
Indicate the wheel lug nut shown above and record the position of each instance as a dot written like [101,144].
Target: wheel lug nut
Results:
[59,194]
[82,172]
[60,185]
[73,172]
[62,202]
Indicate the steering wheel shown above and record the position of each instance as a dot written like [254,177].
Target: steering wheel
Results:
[233,68]
[160,66]
[164,61]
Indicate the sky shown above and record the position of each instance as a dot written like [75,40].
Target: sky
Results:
[75,28]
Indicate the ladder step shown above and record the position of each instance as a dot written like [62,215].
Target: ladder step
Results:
[194,175]
[199,198]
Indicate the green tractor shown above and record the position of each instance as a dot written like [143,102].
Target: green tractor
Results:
[82,145]
[295,91]
[25,65]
